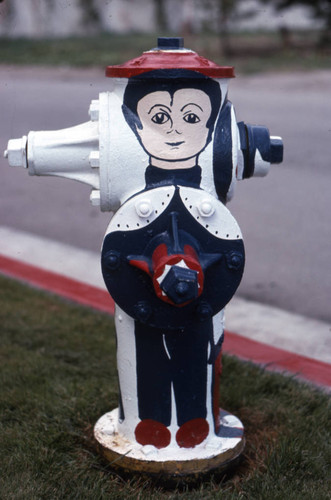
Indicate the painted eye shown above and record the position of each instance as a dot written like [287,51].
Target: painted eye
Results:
[160,118]
[191,118]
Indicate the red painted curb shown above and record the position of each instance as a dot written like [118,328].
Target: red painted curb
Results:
[250,350]
[277,359]
[66,287]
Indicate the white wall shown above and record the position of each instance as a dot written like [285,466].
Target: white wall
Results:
[40,18]
[60,18]
[123,16]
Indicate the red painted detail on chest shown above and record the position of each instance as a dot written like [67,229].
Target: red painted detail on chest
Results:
[140,264]
[159,59]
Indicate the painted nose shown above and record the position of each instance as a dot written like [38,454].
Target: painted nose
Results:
[174,131]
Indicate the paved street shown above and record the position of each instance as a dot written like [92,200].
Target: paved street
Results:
[285,218]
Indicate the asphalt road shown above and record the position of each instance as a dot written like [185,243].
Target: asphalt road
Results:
[285,217]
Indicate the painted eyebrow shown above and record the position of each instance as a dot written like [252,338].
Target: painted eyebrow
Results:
[159,106]
[192,104]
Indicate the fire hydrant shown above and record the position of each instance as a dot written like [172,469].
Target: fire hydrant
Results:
[163,151]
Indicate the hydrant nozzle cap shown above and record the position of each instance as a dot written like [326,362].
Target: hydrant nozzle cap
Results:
[169,54]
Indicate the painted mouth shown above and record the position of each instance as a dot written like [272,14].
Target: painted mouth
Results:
[174,144]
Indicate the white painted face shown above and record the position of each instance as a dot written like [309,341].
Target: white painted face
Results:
[174,129]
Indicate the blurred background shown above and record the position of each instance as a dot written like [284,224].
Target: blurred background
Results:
[52,59]
[222,28]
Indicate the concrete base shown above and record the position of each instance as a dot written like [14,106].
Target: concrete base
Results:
[215,454]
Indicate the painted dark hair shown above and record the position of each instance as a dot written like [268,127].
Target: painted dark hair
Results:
[168,80]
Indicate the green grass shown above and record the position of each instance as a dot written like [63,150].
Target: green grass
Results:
[251,53]
[58,376]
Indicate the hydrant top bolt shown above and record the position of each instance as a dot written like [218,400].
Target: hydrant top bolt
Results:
[170,43]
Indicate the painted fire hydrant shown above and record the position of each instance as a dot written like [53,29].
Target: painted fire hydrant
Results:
[163,151]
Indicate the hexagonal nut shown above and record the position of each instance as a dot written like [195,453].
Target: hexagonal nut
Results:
[235,260]
[94,110]
[143,310]
[95,197]
[204,310]
[16,152]
[180,285]
[94,159]
[276,150]
[112,260]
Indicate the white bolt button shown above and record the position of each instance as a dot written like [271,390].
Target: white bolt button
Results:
[144,208]
[206,208]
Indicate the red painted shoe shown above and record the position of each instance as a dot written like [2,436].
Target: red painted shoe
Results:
[192,433]
[152,432]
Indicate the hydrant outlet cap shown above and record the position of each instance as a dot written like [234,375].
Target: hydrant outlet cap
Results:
[169,54]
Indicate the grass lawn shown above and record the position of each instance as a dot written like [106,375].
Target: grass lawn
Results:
[58,376]
[250,52]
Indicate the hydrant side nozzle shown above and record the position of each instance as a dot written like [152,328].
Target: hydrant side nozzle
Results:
[259,149]
[16,152]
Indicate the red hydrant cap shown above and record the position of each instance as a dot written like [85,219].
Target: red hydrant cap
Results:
[169,54]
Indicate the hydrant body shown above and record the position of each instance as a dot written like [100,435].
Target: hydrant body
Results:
[163,151]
